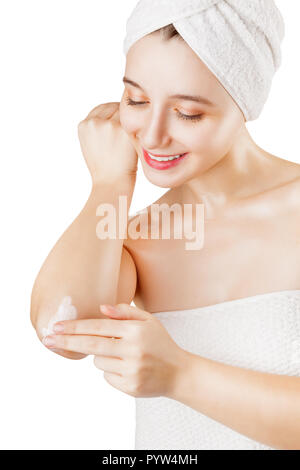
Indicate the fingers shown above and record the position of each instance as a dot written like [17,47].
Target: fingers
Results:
[128,312]
[68,354]
[108,364]
[86,344]
[94,327]
[104,110]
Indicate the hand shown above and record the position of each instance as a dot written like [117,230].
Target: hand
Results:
[135,351]
[106,147]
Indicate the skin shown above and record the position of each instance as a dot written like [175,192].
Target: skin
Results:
[251,201]
[249,195]
[142,360]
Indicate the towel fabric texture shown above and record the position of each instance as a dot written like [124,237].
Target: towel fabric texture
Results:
[238,40]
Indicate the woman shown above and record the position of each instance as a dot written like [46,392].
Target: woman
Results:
[211,352]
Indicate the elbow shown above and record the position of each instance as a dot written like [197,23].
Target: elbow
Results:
[39,319]
[39,328]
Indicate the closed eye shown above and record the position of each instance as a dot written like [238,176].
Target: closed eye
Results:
[196,117]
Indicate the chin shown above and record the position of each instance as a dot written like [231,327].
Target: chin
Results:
[166,178]
[164,181]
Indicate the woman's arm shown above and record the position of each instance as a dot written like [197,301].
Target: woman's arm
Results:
[264,407]
[83,266]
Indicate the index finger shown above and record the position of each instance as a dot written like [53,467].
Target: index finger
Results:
[93,327]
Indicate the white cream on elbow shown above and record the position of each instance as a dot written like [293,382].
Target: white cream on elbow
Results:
[66,311]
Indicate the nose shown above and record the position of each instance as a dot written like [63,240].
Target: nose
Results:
[154,132]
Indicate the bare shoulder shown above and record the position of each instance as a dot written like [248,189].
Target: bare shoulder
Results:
[279,203]
[281,186]
[291,182]
[287,167]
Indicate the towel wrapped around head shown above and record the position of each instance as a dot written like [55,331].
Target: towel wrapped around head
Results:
[238,40]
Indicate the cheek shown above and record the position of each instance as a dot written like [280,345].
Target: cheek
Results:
[213,139]
[201,139]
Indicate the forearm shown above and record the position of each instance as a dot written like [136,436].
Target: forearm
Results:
[81,265]
[264,407]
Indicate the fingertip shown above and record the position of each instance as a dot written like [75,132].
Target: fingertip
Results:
[108,309]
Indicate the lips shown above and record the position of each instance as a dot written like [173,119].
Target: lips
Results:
[161,165]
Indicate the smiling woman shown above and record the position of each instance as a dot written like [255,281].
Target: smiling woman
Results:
[192,81]
[211,348]
[173,105]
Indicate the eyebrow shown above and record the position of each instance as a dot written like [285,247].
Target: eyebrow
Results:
[198,99]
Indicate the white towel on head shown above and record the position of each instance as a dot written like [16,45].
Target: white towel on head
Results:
[238,40]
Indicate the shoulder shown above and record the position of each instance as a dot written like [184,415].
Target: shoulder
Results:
[291,189]
[283,188]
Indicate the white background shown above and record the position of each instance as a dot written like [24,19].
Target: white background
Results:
[60,59]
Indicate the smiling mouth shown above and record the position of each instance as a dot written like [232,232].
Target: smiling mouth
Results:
[164,158]
[163,162]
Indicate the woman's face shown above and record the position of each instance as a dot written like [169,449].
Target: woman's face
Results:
[166,125]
